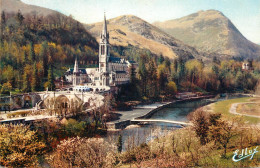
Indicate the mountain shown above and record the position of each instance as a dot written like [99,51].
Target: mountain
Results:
[40,25]
[130,30]
[212,32]
[14,5]
[58,27]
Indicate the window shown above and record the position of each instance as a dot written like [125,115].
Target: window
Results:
[102,50]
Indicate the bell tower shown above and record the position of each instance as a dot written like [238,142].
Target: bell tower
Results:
[104,55]
[104,49]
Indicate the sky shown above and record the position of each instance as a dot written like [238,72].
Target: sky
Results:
[245,14]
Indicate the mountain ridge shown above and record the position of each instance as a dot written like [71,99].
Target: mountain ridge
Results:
[210,31]
[198,35]
[131,30]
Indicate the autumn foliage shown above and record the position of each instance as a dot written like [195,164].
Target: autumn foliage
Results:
[83,152]
[19,146]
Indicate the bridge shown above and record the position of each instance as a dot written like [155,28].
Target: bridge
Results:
[69,98]
[183,124]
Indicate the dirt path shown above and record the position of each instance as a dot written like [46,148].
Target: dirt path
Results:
[233,110]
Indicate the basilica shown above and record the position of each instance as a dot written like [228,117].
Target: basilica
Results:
[112,71]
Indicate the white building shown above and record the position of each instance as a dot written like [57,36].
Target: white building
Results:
[247,65]
[111,72]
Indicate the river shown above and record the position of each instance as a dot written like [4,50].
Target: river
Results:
[144,133]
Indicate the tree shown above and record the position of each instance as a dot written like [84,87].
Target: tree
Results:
[31,53]
[132,75]
[162,80]
[222,131]
[35,79]
[119,144]
[181,70]
[194,70]
[143,74]
[175,64]
[171,88]
[44,57]
[3,21]
[200,124]
[8,74]
[24,58]
[152,80]
[215,69]
[26,83]
[20,17]
[19,146]
[50,82]
[6,88]
[216,60]
[160,59]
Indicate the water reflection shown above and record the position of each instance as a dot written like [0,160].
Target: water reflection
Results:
[179,110]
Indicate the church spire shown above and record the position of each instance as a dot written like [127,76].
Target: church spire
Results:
[76,66]
[105,26]
[104,34]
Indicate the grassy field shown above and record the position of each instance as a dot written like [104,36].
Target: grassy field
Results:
[224,106]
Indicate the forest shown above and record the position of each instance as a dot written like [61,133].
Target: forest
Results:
[37,50]
[158,77]
[32,45]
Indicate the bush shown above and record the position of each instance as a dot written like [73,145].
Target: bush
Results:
[75,128]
